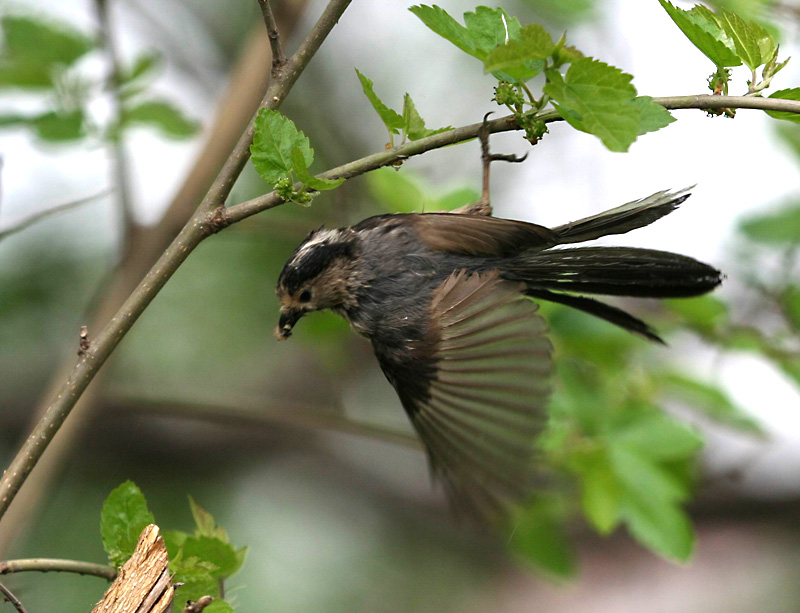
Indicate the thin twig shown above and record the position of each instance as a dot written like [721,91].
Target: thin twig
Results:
[12,599]
[60,208]
[120,173]
[206,220]
[278,58]
[46,565]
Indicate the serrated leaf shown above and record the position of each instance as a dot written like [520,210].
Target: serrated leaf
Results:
[538,534]
[706,32]
[489,28]
[160,114]
[275,137]
[306,178]
[779,227]
[709,400]
[484,29]
[390,118]
[652,116]
[597,98]
[663,528]
[124,516]
[204,522]
[521,59]
[749,39]
[438,20]
[786,94]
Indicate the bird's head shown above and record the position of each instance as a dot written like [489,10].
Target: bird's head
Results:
[320,274]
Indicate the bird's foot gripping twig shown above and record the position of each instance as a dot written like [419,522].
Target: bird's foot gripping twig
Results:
[484,206]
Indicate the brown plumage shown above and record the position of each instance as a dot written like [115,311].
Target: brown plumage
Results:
[445,300]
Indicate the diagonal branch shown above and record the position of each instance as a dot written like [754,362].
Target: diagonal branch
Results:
[278,58]
[46,565]
[203,222]
[7,595]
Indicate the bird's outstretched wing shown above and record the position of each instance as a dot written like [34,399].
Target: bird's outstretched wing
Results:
[476,390]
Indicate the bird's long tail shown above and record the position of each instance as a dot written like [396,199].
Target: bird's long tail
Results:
[616,271]
[621,219]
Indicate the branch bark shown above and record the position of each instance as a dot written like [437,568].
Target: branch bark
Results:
[203,222]
[46,565]
[7,595]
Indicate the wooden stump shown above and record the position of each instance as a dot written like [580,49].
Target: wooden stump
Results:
[143,584]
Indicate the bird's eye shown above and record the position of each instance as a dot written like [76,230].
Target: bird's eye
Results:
[305,296]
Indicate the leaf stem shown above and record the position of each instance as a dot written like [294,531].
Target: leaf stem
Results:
[46,565]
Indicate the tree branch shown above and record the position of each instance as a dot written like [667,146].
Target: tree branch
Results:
[504,124]
[278,58]
[12,599]
[46,565]
[60,208]
[206,220]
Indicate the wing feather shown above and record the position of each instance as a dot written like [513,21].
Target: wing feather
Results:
[486,363]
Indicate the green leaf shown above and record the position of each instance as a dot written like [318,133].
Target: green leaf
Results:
[306,178]
[204,522]
[59,127]
[413,124]
[391,119]
[218,606]
[706,32]
[641,475]
[790,299]
[33,48]
[663,528]
[753,44]
[659,437]
[521,59]
[395,192]
[275,137]
[599,99]
[173,541]
[197,580]
[215,551]
[455,199]
[124,516]
[709,400]
[704,313]
[438,20]
[786,94]
[143,65]
[162,115]
[652,116]
[485,29]
[779,227]
[601,492]
[538,534]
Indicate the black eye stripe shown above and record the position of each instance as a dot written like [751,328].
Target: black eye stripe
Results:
[305,296]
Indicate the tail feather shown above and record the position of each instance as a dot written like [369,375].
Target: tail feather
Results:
[599,309]
[617,271]
[621,219]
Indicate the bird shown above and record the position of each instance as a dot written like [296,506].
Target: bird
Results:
[449,302]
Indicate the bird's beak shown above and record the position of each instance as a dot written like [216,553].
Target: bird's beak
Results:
[289,317]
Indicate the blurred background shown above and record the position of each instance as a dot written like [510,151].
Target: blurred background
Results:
[301,449]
